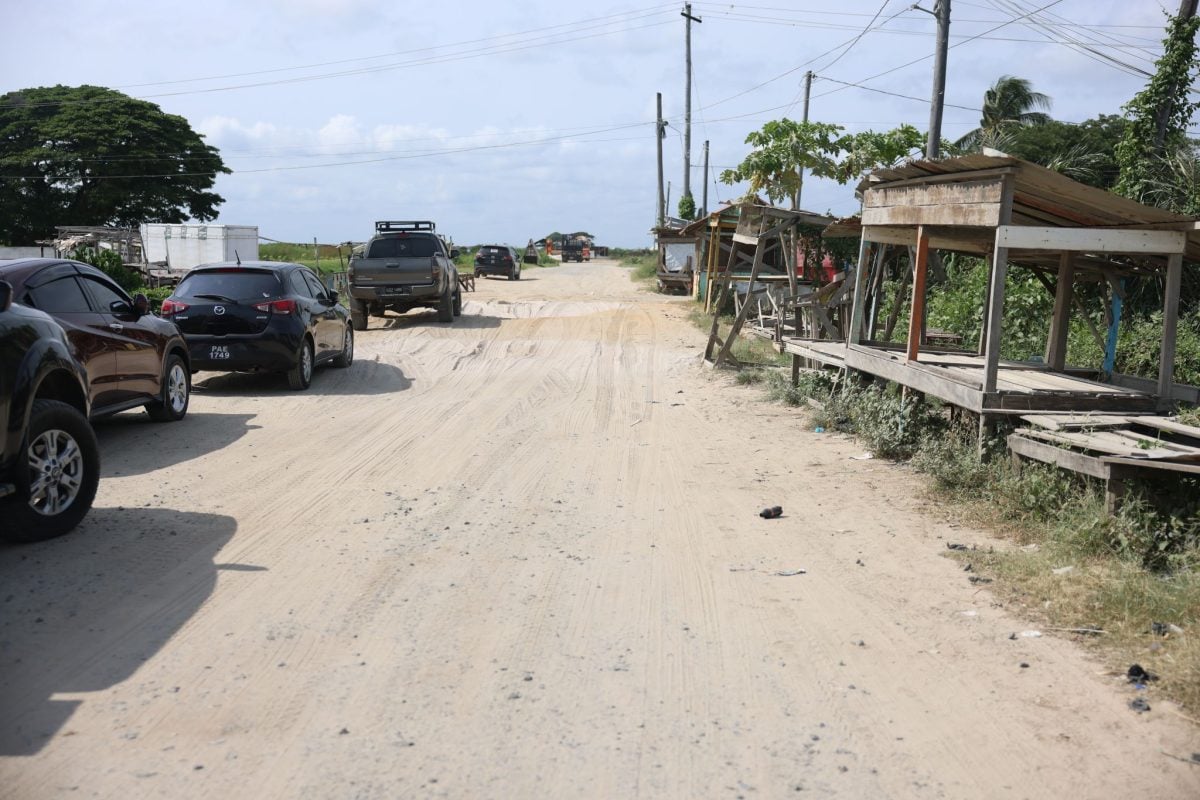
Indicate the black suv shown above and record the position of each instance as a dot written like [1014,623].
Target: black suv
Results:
[261,315]
[49,461]
[498,259]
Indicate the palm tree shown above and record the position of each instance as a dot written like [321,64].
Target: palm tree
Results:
[1008,103]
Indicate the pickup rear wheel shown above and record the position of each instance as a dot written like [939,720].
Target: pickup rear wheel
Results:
[458,303]
[358,315]
[445,308]
[57,473]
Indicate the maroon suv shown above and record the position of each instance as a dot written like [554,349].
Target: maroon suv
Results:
[132,357]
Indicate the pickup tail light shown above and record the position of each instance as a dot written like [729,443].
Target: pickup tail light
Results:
[172,307]
[433,267]
[277,307]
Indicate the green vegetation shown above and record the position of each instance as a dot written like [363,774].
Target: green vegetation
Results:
[109,262]
[323,259]
[1156,158]
[781,148]
[644,263]
[1127,571]
[1008,104]
[81,156]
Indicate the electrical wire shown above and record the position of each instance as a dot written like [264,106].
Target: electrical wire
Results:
[927,57]
[479,53]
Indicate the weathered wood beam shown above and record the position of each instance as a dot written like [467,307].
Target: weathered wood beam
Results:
[994,314]
[854,335]
[916,318]
[1091,240]
[1166,362]
[1060,322]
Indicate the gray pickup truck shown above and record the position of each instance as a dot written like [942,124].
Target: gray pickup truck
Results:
[405,265]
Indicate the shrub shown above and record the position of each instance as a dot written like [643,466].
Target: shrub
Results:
[109,262]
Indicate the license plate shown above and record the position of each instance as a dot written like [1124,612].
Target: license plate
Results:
[218,352]
[396,290]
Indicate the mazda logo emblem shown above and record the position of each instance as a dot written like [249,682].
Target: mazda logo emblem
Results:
[218,310]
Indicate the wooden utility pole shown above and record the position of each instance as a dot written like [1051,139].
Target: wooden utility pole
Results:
[808,76]
[704,205]
[941,10]
[659,130]
[687,99]
[1187,10]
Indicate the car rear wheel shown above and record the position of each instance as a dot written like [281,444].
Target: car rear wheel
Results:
[445,308]
[57,474]
[358,315]
[300,376]
[346,357]
[458,303]
[176,392]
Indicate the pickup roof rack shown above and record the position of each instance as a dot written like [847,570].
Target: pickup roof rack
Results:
[393,226]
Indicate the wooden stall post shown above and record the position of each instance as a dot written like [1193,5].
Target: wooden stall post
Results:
[916,320]
[993,315]
[856,309]
[1166,363]
[1060,323]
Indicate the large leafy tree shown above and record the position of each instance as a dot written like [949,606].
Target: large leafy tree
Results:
[88,155]
[781,148]
[1008,103]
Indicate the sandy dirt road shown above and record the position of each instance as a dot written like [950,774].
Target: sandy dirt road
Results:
[519,557]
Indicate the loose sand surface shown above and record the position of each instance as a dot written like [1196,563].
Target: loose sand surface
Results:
[520,557]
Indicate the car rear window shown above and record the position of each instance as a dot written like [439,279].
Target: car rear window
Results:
[490,251]
[242,284]
[403,247]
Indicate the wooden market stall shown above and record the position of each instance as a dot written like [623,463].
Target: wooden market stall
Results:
[1020,215]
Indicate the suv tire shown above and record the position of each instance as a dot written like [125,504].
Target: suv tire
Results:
[176,392]
[62,442]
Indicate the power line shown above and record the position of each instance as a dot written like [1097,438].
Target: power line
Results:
[633,15]
[297,167]
[479,53]
[797,68]
[927,57]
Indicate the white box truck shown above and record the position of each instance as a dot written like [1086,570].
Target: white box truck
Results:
[187,245]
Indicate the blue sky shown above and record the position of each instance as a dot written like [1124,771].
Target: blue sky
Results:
[506,121]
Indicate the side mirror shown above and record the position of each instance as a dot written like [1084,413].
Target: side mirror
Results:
[6,293]
[333,296]
[141,304]
[455,253]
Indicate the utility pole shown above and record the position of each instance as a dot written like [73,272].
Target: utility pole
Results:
[941,10]
[704,205]
[659,132]
[808,76]
[687,99]
[1187,10]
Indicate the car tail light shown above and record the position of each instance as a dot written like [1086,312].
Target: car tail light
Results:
[277,306]
[433,267]
[171,307]
[508,259]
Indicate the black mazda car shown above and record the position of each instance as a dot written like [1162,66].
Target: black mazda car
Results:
[261,315]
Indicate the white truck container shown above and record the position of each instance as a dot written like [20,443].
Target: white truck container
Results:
[187,245]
